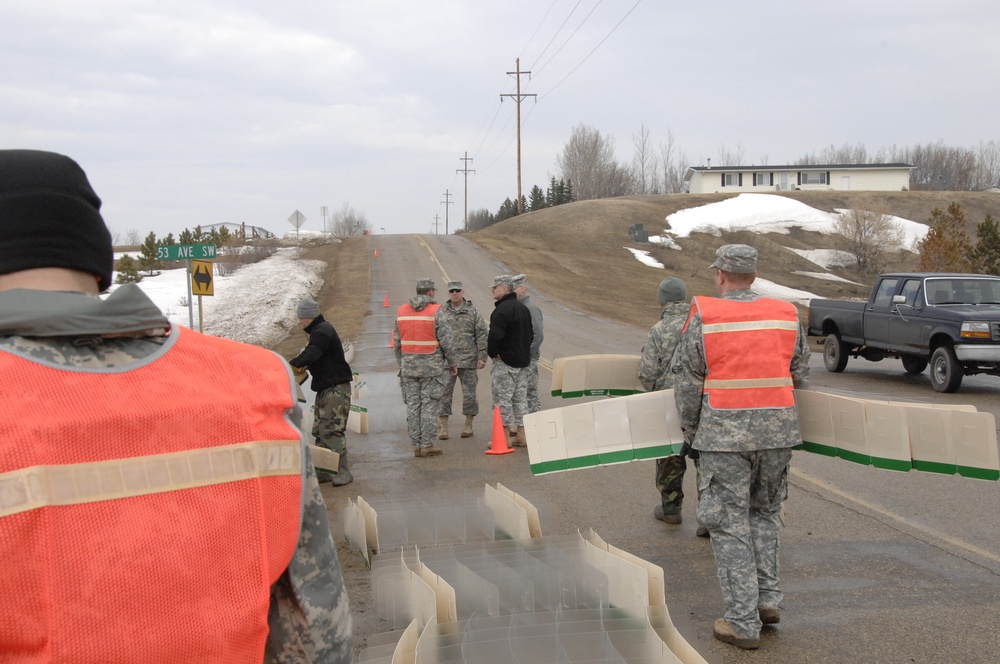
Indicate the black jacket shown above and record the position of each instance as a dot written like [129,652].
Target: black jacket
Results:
[510,332]
[323,356]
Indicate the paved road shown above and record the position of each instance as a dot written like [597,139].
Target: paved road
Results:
[877,566]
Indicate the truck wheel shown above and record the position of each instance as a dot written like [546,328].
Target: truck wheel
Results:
[946,372]
[913,364]
[834,353]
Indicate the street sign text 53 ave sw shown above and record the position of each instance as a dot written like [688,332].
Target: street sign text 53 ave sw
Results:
[179,252]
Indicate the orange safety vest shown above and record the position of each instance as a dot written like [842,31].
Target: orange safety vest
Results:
[146,512]
[734,333]
[416,329]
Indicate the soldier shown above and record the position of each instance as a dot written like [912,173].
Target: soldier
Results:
[509,346]
[197,521]
[324,358]
[654,374]
[421,340]
[469,335]
[521,289]
[739,357]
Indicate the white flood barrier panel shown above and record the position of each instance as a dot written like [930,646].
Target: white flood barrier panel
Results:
[595,375]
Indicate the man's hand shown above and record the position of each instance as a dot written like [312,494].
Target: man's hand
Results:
[301,374]
[453,371]
[480,364]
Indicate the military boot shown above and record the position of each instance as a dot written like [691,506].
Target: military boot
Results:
[467,429]
[343,476]
[519,439]
[443,427]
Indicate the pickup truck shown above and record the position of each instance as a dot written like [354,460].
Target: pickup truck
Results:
[947,320]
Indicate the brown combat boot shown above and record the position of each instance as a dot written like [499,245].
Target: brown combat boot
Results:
[519,439]
[467,430]
[443,427]
[724,631]
[769,615]
[429,451]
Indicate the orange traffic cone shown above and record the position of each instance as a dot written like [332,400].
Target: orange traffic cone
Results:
[376,253]
[499,435]
[391,339]
[385,302]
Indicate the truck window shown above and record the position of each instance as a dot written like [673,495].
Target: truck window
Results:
[938,291]
[883,297]
[911,289]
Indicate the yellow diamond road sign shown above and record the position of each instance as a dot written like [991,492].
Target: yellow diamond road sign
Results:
[201,278]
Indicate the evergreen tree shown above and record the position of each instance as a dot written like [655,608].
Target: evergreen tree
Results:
[169,239]
[986,255]
[947,247]
[507,210]
[186,237]
[223,237]
[147,254]
[198,234]
[128,271]
[536,200]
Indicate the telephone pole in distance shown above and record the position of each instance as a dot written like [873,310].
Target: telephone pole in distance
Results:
[446,204]
[465,170]
[517,98]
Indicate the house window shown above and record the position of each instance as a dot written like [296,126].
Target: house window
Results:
[763,179]
[732,179]
[814,177]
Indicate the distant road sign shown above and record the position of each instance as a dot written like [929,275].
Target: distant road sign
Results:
[201,278]
[297,219]
[177,252]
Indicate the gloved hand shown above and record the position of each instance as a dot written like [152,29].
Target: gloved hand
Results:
[688,451]
[301,374]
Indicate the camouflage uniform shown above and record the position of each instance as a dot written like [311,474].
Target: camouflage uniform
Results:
[421,377]
[330,413]
[654,374]
[510,392]
[469,335]
[309,617]
[744,456]
[534,402]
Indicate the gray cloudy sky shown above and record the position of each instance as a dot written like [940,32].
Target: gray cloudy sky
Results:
[187,112]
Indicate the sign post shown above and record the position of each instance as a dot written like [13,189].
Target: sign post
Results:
[296,219]
[188,252]
[201,283]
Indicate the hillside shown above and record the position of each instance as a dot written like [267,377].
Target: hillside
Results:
[574,253]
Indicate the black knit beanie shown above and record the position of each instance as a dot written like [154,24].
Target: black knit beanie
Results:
[50,216]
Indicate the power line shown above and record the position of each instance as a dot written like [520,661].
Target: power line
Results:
[518,98]
[465,171]
[446,203]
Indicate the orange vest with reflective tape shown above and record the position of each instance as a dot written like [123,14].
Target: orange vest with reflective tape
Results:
[416,329]
[145,513]
[748,350]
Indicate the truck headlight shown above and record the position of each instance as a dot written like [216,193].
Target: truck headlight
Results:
[975,330]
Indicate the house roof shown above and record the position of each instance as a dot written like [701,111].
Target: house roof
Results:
[799,167]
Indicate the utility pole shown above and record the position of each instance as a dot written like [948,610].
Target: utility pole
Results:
[446,204]
[517,98]
[465,170]
[436,224]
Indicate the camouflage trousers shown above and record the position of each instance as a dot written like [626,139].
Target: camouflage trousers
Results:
[670,482]
[740,504]
[469,379]
[534,402]
[423,405]
[309,619]
[510,391]
[330,412]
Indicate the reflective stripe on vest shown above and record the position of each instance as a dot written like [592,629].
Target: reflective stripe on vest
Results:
[733,332]
[416,329]
[146,511]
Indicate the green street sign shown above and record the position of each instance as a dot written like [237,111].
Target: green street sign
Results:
[180,252]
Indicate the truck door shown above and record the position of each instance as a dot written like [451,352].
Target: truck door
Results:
[906,320]
[878,313]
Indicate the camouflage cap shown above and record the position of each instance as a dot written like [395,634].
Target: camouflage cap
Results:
[518,280]
[503,280]
[454,285]
[735,258]
[425,284]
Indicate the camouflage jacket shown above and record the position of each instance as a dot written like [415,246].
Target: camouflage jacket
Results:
[309,617]
[468,332]
[426,365]
[537,333]
[654,362]
[732,430]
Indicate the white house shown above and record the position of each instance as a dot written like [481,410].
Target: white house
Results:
[743,179]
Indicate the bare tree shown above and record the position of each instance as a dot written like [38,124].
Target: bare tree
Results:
[731,158]
[348,221]
[674,165]
[588,161]
[643,163]
[868,234]
[132,237]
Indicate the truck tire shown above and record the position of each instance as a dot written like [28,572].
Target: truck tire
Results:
[946,372]
[834,353]
[914,364]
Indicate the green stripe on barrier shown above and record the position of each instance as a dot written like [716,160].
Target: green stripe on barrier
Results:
[902,465]
[854,457]
[816,448]
[935,467]
[657,451]
[979,473]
